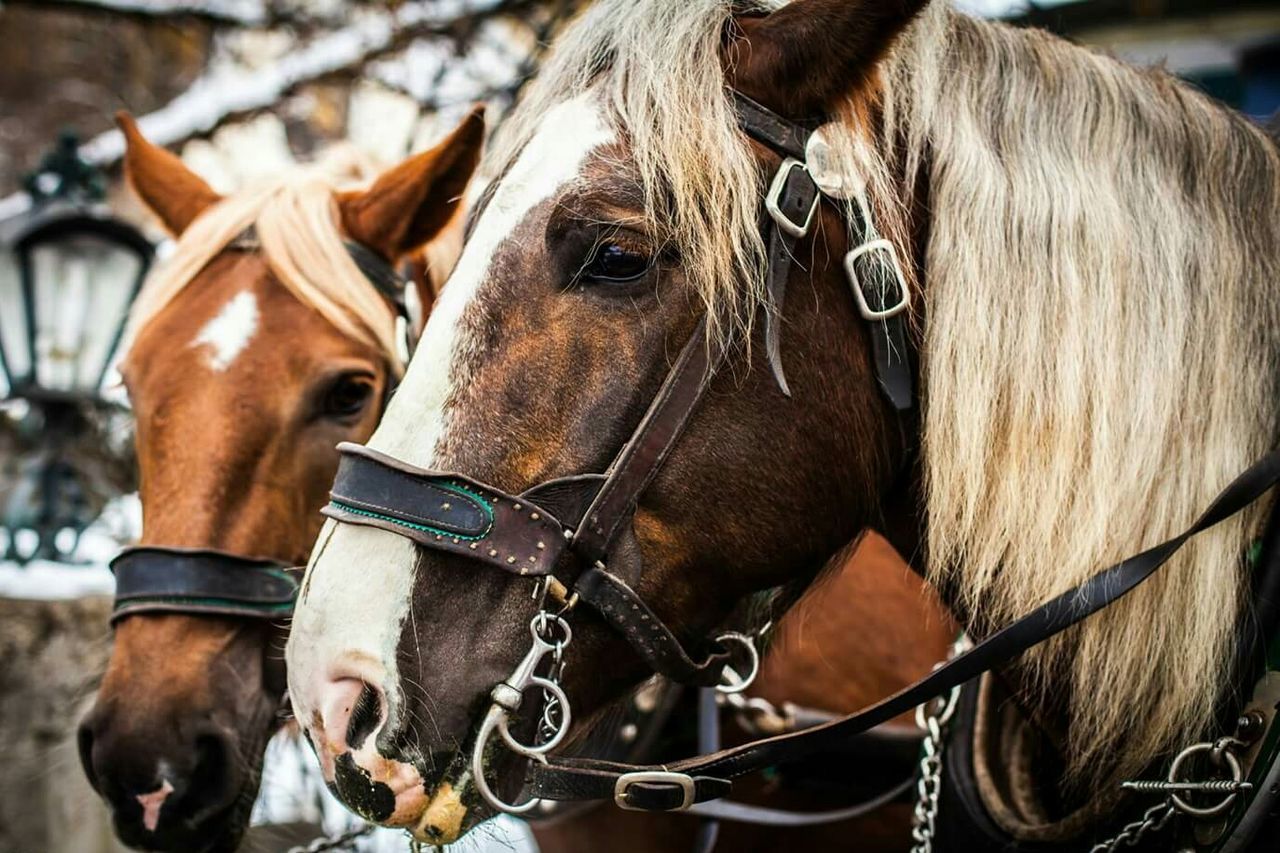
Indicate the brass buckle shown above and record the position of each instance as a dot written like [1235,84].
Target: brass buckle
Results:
[774,195]
[655,777]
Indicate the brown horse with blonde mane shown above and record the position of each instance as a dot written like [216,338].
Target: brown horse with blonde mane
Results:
[1031,328]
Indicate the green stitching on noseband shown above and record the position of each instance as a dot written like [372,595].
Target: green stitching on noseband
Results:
[203,602]
[426,528]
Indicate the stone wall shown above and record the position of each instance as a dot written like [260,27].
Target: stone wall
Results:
[52,655]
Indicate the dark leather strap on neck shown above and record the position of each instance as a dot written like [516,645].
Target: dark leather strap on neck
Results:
[1046,621]
[177,580]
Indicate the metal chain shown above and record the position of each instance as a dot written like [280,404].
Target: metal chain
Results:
[932,717]
[1153,819]
[551,719]
[339,841]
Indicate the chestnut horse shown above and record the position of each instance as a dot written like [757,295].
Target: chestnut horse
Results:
[175,741]
[246,367]
[1086,256]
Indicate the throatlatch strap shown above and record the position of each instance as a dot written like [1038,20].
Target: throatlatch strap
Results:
[598,781]
[176,580]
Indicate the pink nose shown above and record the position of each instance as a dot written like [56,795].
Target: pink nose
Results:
[350,711]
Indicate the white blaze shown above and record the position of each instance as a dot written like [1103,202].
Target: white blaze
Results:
[360,579]
[227,334]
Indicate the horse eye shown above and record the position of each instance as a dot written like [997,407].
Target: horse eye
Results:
[347,397]
[614,264]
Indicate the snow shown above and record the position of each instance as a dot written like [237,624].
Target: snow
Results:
[242,12]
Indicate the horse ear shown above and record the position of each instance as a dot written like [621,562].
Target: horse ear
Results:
[410,204]
[804,58]
[174,193]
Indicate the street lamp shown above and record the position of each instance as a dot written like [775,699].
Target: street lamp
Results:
[69,272]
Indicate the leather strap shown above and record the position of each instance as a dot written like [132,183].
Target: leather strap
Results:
[445,511]
[153,579]
[1051,618]
[890,344]
[770,129]
[642,456]
[796,202]
[628,614]
[380,273]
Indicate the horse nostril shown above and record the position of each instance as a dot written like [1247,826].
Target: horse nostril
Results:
[212,773]
[365,717]
[84,746]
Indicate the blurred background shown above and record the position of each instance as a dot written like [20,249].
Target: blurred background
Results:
[241,89]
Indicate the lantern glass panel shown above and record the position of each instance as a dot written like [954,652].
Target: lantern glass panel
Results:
[13,320]
[83,285]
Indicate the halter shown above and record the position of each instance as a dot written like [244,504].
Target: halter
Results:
[209,581]
[563,533]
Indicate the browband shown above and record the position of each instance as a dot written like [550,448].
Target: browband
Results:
[153,579]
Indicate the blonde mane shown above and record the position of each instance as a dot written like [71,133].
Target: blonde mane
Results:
[295,218]
[1101,351]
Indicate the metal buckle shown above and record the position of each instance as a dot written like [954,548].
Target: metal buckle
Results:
[776,188]
[657,777]
[850,268]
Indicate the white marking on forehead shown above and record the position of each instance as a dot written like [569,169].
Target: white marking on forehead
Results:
[360,580]
[554,156]
[230,331]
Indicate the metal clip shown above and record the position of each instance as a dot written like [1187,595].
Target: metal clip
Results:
[507,697]
[730,680]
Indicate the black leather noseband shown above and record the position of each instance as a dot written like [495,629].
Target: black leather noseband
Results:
[180,580]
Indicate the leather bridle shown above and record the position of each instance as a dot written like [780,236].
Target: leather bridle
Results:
[564,532]
[210,581]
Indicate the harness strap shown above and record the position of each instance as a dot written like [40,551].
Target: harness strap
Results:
[770,129]
[647,449]
[698,776]
[381,274]
[794,206]
[154,579]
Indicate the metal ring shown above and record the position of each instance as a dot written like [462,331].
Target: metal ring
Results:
[737,683]
[491,721]
[542,620]
[539,752]
[1237,775]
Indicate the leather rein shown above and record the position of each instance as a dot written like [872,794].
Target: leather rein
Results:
[563,533]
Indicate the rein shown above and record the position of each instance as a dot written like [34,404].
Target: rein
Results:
[563,533]
[209,581]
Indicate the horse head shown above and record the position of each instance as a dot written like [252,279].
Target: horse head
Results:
[258,346]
